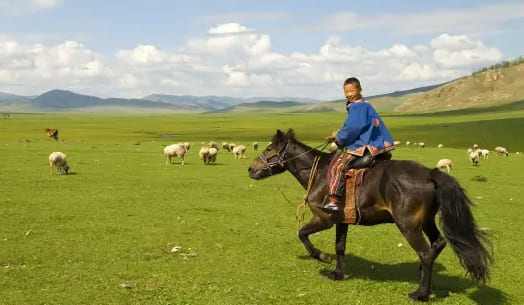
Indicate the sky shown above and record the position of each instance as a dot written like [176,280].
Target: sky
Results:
[248,48]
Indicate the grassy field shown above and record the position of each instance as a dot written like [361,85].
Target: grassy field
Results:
[105,233]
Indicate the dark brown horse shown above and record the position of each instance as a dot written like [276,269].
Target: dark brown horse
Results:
[402,192]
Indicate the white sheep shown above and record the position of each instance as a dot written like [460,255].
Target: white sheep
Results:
[175,150]
[239,151]
[225,146]
[475,146]
[421,144]
[203,153]
[59,160]
[469,150]
[397,143]
[408,143]
[445,164]
[212,155]
[212,144]
[231,146]
[484,153]
[474,156]
[501,151]
[440,145]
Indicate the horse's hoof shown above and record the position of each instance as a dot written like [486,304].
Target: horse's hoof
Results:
[324,257]
[335,276]
[415,296]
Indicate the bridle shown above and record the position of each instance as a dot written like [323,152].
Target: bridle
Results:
[270,165]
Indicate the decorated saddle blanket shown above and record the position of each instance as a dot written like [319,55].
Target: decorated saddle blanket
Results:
[354,178]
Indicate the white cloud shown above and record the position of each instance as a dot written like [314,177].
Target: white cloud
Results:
[142,54]
[46,3]
[236,60]
[460,51]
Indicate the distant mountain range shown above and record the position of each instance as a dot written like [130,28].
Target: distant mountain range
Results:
[492,86]
[66,101]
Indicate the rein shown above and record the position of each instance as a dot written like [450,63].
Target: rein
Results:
[301,208]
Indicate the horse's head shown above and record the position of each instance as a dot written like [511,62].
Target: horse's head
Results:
[271,160]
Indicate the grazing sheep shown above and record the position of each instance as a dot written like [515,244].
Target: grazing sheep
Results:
[231,146]
[421,144]
[58,159]
[475,146]
[408,143]
[397,143]
[484,153]
[239,151]
[440,145]
[469,150]
[225,146]
[445,164]
[212,144]
[501,151]
[175,150]
[212,155]
[474,156]
[255,146]
[204,154]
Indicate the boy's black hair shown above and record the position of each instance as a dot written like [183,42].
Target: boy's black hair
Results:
[354,81]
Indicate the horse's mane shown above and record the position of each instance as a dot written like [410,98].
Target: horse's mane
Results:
[290,136]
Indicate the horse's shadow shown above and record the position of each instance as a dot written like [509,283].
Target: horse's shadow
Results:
[443,285]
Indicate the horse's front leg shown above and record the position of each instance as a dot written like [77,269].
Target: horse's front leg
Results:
[340,249]
[316,224]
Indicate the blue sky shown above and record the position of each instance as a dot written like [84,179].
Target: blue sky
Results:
[249,48]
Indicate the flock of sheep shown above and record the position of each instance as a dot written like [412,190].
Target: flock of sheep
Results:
[208,154]
[475,154]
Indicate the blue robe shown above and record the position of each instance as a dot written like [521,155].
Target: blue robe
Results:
[363,129]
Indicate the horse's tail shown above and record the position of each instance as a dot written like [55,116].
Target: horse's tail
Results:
[466,239]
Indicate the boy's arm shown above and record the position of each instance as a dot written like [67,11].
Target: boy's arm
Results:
[356,121]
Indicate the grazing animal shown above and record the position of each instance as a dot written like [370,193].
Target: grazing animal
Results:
[203,153]
[239,151]
[484,153]
[421,145]
[175,150]
[501,151]
[187,145]
[408,143]
[212,144]
[52,133]
[394,191]
[212,156]
[440,145]
[231,146]
[255,146]
[59,160]
[225,146]
[474,157]
[397,143]
[446,164]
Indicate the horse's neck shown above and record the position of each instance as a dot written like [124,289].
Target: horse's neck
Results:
[301,158]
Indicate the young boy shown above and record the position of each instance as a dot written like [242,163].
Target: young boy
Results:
[365,137]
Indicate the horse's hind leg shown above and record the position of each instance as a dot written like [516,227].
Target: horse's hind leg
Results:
[436,239]
[315,225]
[413,234]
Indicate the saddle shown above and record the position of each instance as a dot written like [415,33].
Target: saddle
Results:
[354,178]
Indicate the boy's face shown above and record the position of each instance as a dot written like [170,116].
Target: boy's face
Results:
[352,92]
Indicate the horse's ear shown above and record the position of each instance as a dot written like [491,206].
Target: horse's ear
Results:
[290,133]
[279,134]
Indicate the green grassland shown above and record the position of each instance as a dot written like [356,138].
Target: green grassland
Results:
[104,234]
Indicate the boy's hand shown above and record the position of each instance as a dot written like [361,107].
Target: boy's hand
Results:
[331,139]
